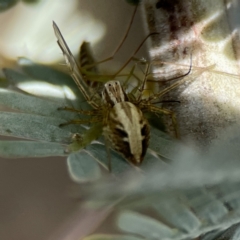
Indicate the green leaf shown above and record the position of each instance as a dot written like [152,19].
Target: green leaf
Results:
[42,107]
[45,73]
[4,83]
[37,87]
[6,4]
[22,149]
[33,127]
[30,104]
[206,206]
[149,228]
[118,163]
[177,214]
[83,167]
[31,1]
[55,77]
[15,77]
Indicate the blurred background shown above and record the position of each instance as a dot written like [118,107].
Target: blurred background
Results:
[37,195]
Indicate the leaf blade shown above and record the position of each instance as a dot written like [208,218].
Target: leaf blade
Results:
[22,149]
[83,167]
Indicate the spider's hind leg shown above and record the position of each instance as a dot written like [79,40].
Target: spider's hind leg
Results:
[85,112]
[165,111]
[80,121]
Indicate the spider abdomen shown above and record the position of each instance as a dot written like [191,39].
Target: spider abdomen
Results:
[127,131]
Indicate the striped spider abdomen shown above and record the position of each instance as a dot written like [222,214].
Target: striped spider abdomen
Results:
[126,129]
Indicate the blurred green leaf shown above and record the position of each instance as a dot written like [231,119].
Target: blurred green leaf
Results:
[55,77]
[33,127]
[99,152]
[22,149]
[15,77]
[6,4]
[45,73]
[83,167]
[177,214]
[147,227]
[3,83]
[31,1]
[205,203]
[34,105]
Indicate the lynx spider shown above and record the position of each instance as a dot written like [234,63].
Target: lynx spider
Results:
[120,117]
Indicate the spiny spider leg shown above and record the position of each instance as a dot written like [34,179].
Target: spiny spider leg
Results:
[80,121]
[134,53]
[176,84]
[121,43]
[175,78]
[86,112]
[73,67]
[90,135]
[86,67]
[155,109]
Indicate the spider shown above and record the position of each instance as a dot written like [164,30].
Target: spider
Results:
[116,114]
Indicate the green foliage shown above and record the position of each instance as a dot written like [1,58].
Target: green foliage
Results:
[23,149]
[6,4]
[31,1]
[83,167]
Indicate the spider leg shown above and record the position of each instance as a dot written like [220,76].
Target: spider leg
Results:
[85,112]
[120,45]
[80,121]
[165,111]
[73,66]
[90,135]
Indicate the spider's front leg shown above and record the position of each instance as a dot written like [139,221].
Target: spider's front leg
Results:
[80,121]
[85,112]
[81,141]
[165,111]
